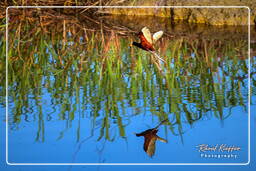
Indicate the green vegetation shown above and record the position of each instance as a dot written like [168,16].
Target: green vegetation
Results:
[76,72]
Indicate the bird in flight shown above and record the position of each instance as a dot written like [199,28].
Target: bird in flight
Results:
[147,41]
[150,137]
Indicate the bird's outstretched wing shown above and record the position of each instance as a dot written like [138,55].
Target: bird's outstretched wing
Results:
[150,145]
[147,34]
[157,36]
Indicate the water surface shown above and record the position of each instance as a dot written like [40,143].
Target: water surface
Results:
[78,91]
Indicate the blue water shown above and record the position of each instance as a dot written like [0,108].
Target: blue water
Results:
[46,138]
[122,150]
[43,135]
[250,166]
[79,140]
[62,145]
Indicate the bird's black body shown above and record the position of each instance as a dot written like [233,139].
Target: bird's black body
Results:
[148,131]
[139,45]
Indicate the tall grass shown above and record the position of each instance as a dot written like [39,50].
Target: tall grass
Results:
[83,70]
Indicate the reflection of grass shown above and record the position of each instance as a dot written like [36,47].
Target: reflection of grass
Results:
[84,70]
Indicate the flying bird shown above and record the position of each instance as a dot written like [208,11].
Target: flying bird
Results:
[150,137]
[147,41]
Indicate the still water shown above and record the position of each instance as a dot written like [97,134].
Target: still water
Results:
[79,91]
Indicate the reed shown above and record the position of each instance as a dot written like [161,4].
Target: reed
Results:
[83,70]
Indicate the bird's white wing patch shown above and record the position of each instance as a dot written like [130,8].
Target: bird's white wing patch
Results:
[157,36]
[147,34]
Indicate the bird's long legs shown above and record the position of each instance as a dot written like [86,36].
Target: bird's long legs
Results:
[157,56]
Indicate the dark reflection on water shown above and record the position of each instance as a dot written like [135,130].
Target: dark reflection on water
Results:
[75,90]
[150,138]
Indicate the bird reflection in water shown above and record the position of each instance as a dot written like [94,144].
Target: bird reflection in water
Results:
[150,138]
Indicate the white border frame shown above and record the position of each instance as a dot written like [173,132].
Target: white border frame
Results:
[130,7]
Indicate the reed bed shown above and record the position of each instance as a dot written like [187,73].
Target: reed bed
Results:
[5,3]
[96,73]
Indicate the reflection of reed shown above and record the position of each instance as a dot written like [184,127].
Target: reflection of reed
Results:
[75,65]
